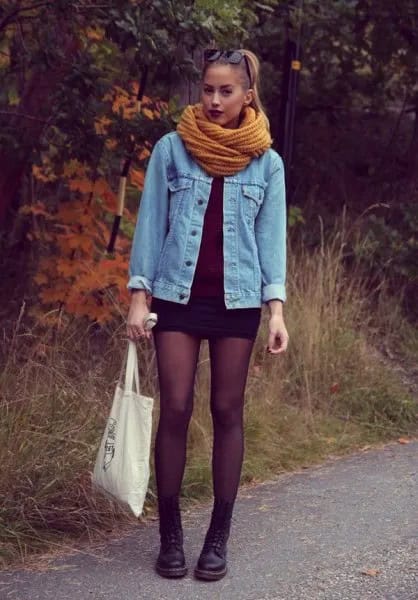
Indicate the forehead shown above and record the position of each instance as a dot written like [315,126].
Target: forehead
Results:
[219,75]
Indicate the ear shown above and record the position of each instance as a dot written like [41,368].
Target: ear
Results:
[249,97]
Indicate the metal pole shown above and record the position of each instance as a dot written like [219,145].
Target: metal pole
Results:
[291,69]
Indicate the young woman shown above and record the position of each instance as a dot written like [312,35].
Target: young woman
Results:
[210,248]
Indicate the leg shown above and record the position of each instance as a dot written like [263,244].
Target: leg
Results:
[230,359]
[177,354]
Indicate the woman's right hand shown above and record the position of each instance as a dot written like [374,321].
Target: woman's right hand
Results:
[138,310]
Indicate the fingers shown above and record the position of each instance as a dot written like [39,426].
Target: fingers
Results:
[136,332]
[135,325]
[271,342]
[277,342]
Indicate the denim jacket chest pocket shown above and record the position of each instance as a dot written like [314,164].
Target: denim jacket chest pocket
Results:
[179,192]
[252,198]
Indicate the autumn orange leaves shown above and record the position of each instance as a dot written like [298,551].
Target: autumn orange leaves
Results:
[75,274]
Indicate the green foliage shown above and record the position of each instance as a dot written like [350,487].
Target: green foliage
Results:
[358,51]
[356,54]
[295,216]
[86,51]
[390,244]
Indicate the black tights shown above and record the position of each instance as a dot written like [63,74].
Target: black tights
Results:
[177,356]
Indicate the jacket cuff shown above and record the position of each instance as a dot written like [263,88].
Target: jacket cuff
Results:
[274,291]
[137,282]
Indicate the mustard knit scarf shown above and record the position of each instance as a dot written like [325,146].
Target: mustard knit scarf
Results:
[218,150]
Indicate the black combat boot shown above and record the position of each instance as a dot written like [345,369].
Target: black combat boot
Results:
[170,561]
[212,561]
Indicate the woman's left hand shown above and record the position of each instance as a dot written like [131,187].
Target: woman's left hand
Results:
[278,336]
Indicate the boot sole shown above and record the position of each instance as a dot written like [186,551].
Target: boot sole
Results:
[209,575]
[171,573]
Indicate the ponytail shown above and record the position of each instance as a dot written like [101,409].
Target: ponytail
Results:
[254,67]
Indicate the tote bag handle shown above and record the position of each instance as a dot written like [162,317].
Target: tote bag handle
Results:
[130,364]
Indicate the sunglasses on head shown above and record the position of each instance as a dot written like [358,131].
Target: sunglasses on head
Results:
[233,57]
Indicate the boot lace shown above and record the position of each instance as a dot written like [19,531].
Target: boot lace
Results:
[215,540]
[172,538]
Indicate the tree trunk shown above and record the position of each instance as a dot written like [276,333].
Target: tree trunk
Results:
[188,91]
[28,120]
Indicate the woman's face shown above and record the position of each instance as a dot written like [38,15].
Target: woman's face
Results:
[223,95]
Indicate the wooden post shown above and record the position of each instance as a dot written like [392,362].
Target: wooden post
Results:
[125,171]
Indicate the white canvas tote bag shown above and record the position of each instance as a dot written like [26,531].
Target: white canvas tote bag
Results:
[122,465]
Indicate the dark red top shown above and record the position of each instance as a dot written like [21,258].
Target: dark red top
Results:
[209,275]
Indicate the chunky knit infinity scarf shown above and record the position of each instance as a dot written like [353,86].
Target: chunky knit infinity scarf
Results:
[218,150]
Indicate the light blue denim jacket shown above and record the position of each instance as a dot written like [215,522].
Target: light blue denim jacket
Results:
[170,222]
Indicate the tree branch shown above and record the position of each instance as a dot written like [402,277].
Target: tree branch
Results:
[9,18]
[6,113]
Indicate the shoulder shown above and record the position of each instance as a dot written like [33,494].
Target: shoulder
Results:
[177,159]
[274,161]
[169,143]
[164,151]
[172,149]
[266,165]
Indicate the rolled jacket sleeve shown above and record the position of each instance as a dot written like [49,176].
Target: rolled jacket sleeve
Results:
[270,233]
[152,222]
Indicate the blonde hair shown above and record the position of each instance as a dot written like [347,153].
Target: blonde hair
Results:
[254,68]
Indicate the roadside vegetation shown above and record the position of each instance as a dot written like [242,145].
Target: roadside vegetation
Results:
[331,393]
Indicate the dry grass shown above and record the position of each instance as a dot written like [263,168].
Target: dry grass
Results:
[328,394]
[53,405]
[331,392]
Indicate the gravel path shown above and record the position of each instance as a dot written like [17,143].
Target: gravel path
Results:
[304,536]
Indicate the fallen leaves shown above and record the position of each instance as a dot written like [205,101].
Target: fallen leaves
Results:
[257,371]
[370,572]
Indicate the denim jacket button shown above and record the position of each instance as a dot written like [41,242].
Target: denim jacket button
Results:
[188,263]
[200,201]
[182,296]
[194,232]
